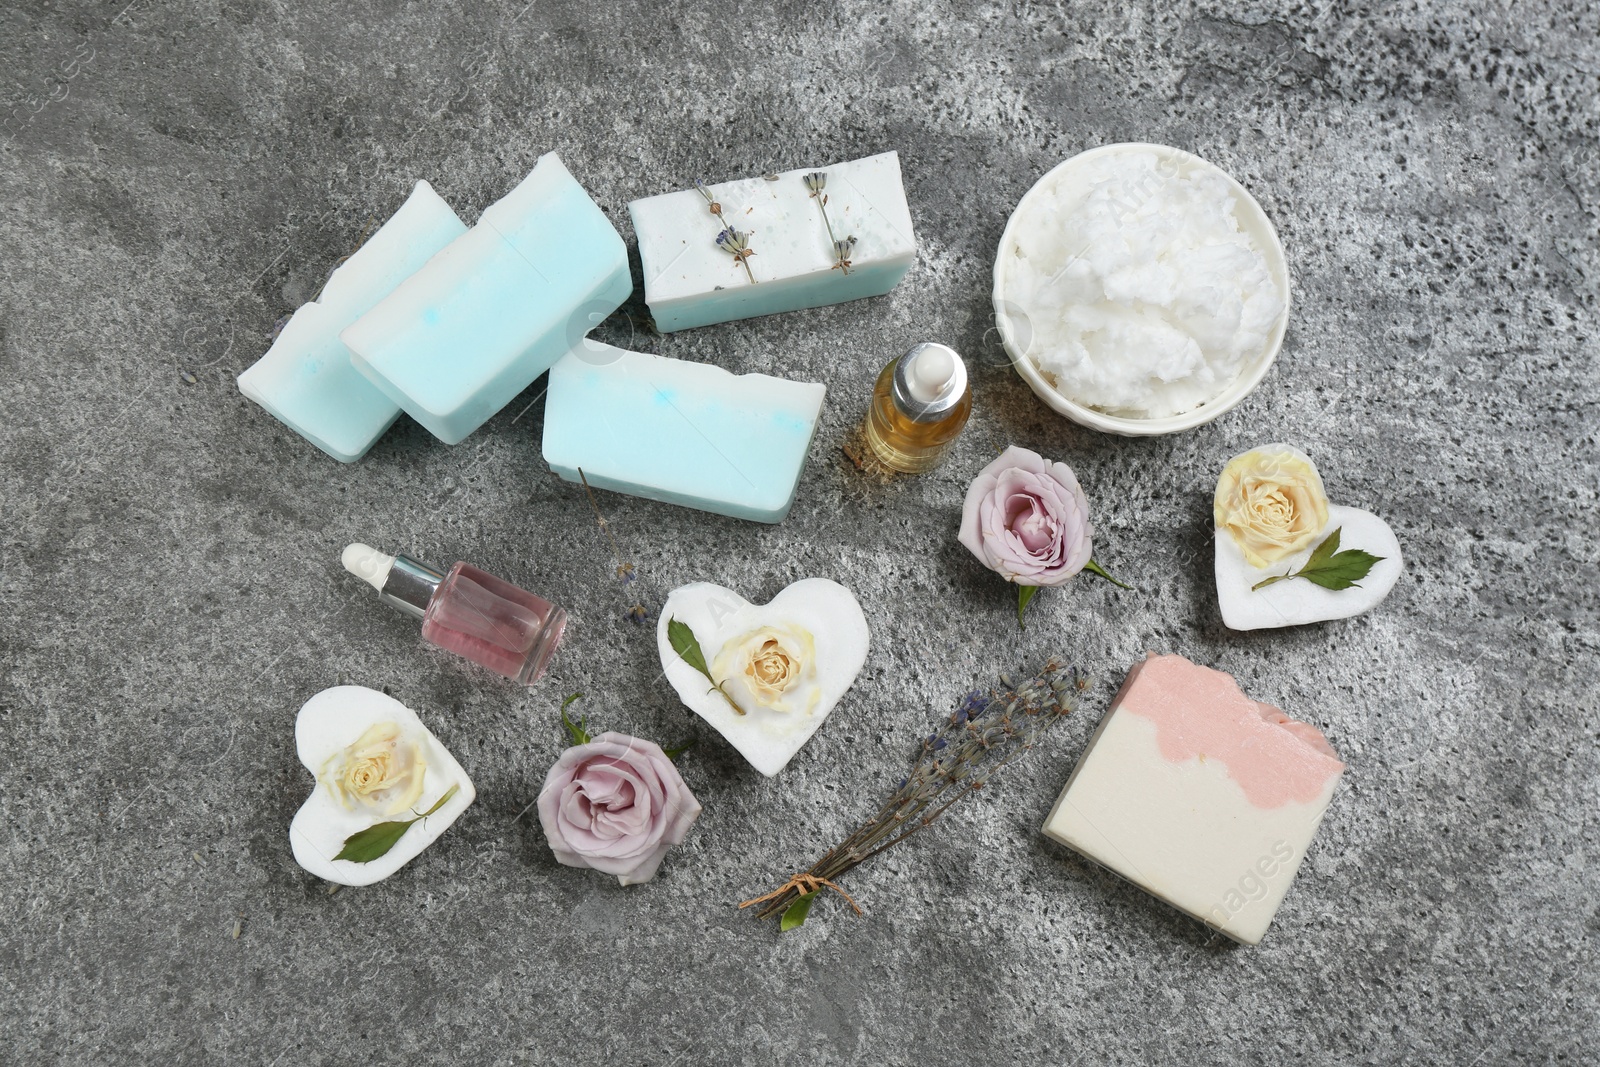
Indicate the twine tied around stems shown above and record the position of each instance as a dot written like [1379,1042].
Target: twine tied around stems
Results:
[805,885]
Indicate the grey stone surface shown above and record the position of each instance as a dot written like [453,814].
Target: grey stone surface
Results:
[176,177]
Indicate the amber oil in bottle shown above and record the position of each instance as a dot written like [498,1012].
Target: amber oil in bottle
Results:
[919,406]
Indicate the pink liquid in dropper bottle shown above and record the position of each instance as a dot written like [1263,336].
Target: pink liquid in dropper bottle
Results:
[467,611]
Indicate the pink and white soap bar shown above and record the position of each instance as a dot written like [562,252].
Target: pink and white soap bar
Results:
[1199,795]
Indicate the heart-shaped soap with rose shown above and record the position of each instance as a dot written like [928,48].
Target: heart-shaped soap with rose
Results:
[765,676]
[1285,556]
[386,787]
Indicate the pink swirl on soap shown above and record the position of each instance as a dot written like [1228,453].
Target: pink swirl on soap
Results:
[1200,713]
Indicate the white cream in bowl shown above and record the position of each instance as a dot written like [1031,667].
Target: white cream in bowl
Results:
[1140,289]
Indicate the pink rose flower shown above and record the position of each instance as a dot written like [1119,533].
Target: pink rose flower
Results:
[616,804]
[1027,520]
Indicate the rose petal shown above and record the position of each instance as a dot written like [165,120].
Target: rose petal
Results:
[646,869]
[606,783]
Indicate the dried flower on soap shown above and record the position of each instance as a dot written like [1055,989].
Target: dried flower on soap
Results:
[381,772]
[1270,500]
[816,182]
[737,244]
[842,250]
[771,667]
[986,731]
[728,239]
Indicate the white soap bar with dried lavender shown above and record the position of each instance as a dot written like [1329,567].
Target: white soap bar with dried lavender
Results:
[800,239]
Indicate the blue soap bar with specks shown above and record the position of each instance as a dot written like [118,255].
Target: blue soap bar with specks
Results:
[686,433]
[307,380]
[459,339]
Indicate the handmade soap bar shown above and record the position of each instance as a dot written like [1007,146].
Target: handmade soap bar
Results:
[375,763]
[686,433]
[693,276]
[784,665]
[1199,795]
[306,380]
[491,312]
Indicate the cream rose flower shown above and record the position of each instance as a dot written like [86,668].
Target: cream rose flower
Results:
[771,667]
[380,772]
[1271,501]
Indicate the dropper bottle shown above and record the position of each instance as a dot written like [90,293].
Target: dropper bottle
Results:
[920,404]
[466,611]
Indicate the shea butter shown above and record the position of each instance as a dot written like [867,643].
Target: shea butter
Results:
[1133,286]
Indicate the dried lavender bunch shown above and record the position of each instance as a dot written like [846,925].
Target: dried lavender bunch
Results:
[734,242]
[984,733]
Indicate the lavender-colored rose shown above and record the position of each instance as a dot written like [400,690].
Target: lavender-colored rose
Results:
[1027,520]
[616,804]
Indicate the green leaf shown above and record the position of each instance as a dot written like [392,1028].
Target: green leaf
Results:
[1326,549]
[375,841]
[687,647]
[1025,595]
[364,846]
[795,914]
[1330,568]
[1094,568]
[1343,570]
[578,731]
[674,753]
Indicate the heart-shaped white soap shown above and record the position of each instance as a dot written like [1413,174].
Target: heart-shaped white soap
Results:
[786,662]
[327,725]
[1298,601]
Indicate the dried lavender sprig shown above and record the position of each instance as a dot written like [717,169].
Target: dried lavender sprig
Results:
[816,181]
[729,239]
[985,733]
[930,778]
[842,250]
[929,782]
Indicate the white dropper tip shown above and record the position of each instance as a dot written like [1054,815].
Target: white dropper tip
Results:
[368,564]
[930,373]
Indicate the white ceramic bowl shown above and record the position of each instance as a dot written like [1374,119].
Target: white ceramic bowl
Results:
[1017,338]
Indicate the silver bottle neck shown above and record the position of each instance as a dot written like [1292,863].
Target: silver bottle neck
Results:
[410,585]
[930,409]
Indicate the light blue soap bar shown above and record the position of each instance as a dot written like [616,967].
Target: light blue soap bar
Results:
[306,379]
[490,313]
[686,433]
[689,280]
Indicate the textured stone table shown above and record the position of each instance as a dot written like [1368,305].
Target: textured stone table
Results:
[177,177]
